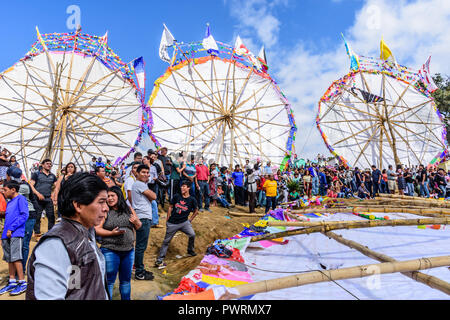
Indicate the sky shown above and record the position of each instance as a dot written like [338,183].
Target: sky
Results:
[302,38]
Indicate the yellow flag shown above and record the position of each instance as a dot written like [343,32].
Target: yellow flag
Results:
[385,51]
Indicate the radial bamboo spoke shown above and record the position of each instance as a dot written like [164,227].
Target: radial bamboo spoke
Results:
[355,134]
[196,137]
[266,86]
[355,109]
[214,105]
[257,133]
[400,98]
[415,133]
[184,94]
[85,133]
[47,99]
[103,129]
[351,130]
[213,136]
[242,143]
[260,108]
[407,143]
[25,126]
[217,86]
[345,121]
[366,145]
[206,84]
[265,122]
[238,97]
[421,105]
[253,143]
[368,89]
[187,126]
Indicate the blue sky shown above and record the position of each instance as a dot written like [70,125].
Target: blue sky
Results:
[299,35]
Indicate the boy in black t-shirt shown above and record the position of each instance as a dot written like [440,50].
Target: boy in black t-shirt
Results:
[178,220]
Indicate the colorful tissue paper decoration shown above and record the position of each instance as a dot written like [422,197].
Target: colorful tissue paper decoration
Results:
[214,272]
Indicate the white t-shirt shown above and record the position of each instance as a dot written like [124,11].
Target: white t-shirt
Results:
[128,185]
[141,204]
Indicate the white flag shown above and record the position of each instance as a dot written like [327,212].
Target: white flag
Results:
[262,55]
[239,48]
[426,76]
[167,40]
[209,43]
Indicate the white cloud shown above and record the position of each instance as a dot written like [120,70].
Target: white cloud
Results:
[412,30]
[257,16]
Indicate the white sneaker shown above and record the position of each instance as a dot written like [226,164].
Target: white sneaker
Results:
[58,220]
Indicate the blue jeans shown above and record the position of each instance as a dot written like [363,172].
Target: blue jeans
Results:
[119,262]
[410,187]
[223,201]
[142,235]
[262,198]
[315,186]
[29,225]
[443,191]
[155,216]
[271,202]
[424,189]
[203,192]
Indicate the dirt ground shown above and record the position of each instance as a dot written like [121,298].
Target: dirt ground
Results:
[208,227]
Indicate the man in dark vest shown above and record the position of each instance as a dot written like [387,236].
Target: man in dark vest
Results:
[66,263]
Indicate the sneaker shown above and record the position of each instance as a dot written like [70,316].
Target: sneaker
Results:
[201,210]
[209,210]
[146,275]
[9,287]
[58,220]
[160,264]
[192,253]
[20,288]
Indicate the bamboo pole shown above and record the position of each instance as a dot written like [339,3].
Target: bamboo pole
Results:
[240,214]
[351,225]
[339,274]
[430,281]
[353,222]
[398,196]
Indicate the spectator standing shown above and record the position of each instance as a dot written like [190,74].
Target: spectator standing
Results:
[392,177]
[42,183]
[401,184]
[423,182]
[70,248]
[376,181]
[117,232]
[16,216]
[69,170]
[178,220]
[142,198]
[190,175]
[238,183]
[202,184]
[323,184]
[409,182]
[4,163]
[270,186]
[175,176]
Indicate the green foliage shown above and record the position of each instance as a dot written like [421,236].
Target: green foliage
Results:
[442,98]
[294,185]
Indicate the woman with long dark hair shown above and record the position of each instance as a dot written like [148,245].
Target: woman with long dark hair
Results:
[69,170]
[117,241]
[66,263]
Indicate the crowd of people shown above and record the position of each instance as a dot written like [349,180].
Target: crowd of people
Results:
[109,211]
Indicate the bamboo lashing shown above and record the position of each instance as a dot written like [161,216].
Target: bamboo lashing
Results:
[348,225]
[339,274]
[430,281]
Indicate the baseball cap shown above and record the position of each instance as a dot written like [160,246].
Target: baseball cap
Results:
[15,173]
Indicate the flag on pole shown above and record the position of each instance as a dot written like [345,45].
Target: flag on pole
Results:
[209,43]
[263,59]
[42,42]
[167,40]
[139,71]
[239,48]
[427,79]
[386,53]
[354,59]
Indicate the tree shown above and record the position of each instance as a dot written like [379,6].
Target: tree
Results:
[442,99]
